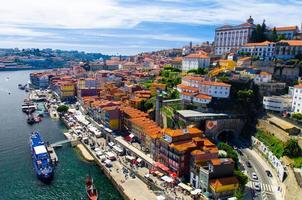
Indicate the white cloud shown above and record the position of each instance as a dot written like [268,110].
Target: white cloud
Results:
[120,14]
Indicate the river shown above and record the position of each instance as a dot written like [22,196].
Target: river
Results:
[17,178]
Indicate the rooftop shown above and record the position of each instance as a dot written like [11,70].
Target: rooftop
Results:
[287,28]
[192,113]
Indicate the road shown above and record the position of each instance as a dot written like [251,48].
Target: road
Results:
[266,183]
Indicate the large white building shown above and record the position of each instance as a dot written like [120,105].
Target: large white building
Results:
[297,99]
[197,90]
[232,37]
[264,50]
[195,61]
[277,103]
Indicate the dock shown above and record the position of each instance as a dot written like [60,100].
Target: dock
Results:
[53,155]
[85,153]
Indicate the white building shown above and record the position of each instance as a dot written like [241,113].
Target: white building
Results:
[264,50]
[287,49]
[197,90]
[277,103]
[263,77]
[195,61]
[288,31]
[297,99]
[232,37]
[215,89]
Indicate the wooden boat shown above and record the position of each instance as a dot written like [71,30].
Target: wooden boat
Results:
[91,191]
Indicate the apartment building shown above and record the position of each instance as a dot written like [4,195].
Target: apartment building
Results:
[277,103]
[195,61]
[287,49]
[175,147]
[230,37]
[197,90]
[297,99]
[288,31]
[263,50]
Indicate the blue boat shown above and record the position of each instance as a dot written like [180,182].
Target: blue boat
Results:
[43,165]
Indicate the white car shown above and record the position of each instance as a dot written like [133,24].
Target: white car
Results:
[257,187]
[254,176]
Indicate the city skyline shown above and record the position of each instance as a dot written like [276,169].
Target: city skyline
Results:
[129,27]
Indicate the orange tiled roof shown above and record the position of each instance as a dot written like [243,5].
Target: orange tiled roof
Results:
[184,146]
[197,55]
[212,83]
[203,96]
[185,87]
[292,42]
[179,132]
[187,93]
[286,28]
[265,73]
[193,78]
[265,43]
[216,183]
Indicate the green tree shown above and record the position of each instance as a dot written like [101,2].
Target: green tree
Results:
[62,108]
[281,37]
[297,116]
[274,36]
[292,149]
[245,96]
[231,153]
[242,178]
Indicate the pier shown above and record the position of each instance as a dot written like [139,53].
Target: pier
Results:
[53,155]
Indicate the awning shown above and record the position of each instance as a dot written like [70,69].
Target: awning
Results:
[161,166]
[184,186]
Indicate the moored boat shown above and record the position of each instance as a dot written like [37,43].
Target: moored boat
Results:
[91,190]
[43,165]
[31,120]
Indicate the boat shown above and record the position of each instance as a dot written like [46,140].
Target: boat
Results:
[91,190]
[28,107]
[31,120]
[42,162]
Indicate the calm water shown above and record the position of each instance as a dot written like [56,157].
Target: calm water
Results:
[17,178]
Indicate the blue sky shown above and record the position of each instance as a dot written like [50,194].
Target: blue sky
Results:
[130,26]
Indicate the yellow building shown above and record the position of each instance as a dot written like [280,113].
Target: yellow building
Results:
[223,186]
[67,90]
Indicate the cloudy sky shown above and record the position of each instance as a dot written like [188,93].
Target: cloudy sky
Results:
[130,26]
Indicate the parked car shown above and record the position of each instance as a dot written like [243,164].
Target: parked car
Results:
[268,173]
[254,176]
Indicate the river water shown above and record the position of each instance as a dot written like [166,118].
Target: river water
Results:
[17,178]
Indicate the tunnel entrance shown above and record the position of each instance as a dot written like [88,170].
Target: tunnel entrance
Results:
[226,136]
